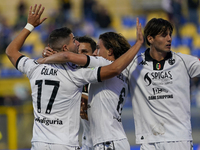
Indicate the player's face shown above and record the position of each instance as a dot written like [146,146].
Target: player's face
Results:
[73,44]
[162,42]
[85,48]
[101,50]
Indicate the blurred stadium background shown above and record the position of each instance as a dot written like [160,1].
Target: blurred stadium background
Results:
[84,17]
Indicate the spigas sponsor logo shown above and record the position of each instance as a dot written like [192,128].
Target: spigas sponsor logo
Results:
[48,121]
[158,78]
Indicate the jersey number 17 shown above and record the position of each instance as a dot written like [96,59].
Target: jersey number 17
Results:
[56,85]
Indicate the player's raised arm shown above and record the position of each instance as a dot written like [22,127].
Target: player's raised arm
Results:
[12,51]
[123,61]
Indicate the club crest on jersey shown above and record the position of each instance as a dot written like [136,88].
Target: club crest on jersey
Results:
[171,61]
[158,66]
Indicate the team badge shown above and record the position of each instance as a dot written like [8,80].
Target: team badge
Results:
[171,61]
[158,66]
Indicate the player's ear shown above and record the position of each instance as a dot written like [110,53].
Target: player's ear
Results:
[150,39]
[110,52]
[65,48]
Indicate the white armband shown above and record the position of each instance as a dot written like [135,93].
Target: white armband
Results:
[29,27]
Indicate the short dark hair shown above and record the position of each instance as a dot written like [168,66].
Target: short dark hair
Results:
[57,37]
[116,42]
[86,39]
[156,26]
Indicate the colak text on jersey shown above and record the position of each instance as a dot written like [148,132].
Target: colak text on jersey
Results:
[49,71]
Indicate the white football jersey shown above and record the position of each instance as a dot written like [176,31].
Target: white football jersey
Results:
[106,103]
[56,94]
[160,93]
[86,136]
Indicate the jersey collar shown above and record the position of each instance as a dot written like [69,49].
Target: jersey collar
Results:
[157,65]
[149,58]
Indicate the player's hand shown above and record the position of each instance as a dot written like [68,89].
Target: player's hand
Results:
[140,37]
[35,14]
[83,110]
[48,51]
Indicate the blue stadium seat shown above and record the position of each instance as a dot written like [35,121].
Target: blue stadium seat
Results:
[195,52]
[128,21]
[27,48]
[16,73]
[5,73]
[38,28]
[176,41]
[187,41]
[142,20]
[198,29]
[10,73]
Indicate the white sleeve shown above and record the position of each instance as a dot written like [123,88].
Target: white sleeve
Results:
[85,75]
[98,61]
[192,64]
[26,65]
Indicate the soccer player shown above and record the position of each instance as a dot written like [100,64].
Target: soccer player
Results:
[87,46]
[56,88]
[106,98]
[160,91]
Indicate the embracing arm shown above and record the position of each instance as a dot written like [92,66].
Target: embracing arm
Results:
[63,57]
[12,51]
[123,61]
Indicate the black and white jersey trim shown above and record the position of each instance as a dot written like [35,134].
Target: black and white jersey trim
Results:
[88,62]
[98,74]
[18,61]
